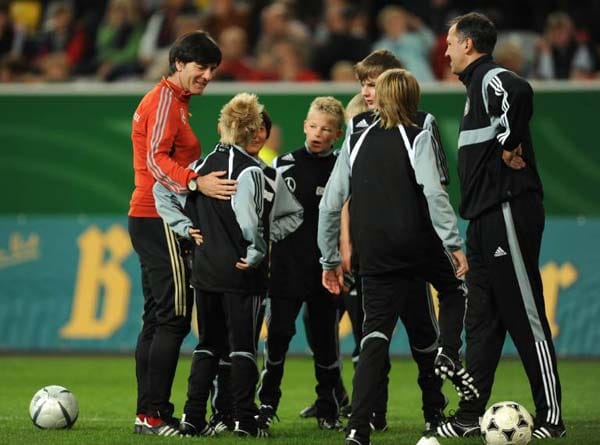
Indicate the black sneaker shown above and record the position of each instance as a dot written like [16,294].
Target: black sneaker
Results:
[447,367]
[221,423]
[189,429]
[158,427]
[330,423]
[266,416]
[545,430]
[352,438]
[247,430]
[452,427]
[378,422]
[309,411]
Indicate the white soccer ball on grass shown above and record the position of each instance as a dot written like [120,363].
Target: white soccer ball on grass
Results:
[53,407]
[506,423]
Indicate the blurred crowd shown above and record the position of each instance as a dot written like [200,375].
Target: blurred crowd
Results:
[286,40]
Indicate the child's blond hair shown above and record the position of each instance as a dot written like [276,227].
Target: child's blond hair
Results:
[328,105]
[397,100]
[355,106]
[240,119]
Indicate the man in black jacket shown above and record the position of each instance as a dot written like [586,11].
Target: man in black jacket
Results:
[501,196]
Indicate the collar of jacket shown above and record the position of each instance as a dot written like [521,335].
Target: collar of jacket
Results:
[323,154]
[180,93]
[467,74]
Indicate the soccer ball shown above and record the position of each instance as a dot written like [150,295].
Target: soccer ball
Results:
[53,407]
[506,423]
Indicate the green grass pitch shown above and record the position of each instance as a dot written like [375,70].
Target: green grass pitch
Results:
[105,389]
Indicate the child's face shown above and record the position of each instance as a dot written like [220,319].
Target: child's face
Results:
[367,90]
[321,130]
[257,143]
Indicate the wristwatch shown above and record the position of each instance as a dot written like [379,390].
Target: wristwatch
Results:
[192,185]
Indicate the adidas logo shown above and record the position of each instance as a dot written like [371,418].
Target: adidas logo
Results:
[288,157]
[363,123]
[499,252]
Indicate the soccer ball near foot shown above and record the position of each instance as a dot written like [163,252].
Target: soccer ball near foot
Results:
[506,423]
[53,407]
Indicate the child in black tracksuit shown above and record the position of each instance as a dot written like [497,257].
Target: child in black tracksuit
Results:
[295,271]
[228,271]
[389,168]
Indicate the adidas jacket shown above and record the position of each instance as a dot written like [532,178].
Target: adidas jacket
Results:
[497,112]
[400,211]
[424,120]
[295,268]
[232,229]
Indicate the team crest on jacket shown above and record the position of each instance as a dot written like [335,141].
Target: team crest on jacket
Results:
[291,183]
[467,104]
[182,113]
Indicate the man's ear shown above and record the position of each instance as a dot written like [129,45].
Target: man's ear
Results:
[469,48]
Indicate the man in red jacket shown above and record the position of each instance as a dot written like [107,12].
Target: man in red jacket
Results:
[164,145]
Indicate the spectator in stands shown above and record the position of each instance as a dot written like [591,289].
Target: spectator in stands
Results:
[561,55]
[118,40]
[342,71]
[12,42]
[223,14]
[277,23]
[510,56]
[407,37]
[159,65]
[62,45]
[236,64]
[161,30]
[290,62]
[339,43]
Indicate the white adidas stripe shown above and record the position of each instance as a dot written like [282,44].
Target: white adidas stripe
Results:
[549,381]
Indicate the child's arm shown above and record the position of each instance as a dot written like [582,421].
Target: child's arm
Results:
[441,212]
[287,213]
[248,206]
[170,207]
[336,194]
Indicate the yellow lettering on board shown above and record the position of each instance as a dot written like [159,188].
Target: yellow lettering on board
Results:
[100,269]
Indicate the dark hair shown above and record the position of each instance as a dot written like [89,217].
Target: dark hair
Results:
[376,63]
[196,46]
[267,122]
[479,29]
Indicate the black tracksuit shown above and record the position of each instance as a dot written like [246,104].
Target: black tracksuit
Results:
[418,317]
[295,278]
[392,172]
[229,300]
[506,220]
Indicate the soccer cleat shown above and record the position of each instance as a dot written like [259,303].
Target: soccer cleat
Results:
[309,411]
[137,424]
[330,423]
[378,422]
[247,430]
[193,429]
[266,416]
[447,367]
[158,427]
[352,438]
[221,423]
[545,430]
[452,427]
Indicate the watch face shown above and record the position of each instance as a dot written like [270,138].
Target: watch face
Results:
[193,185]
